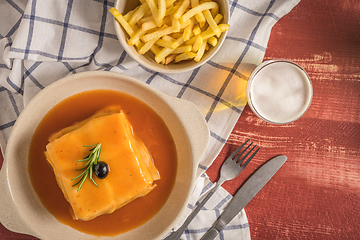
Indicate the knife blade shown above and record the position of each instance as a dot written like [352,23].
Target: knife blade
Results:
[244,195]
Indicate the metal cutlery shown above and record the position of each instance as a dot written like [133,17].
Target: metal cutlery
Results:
[229,170]
[244,195]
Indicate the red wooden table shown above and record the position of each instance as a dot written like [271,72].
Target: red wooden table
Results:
[316,194]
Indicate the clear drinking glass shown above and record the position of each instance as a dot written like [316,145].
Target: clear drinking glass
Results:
[279,91]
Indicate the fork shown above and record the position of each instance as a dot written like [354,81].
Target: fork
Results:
[230,169]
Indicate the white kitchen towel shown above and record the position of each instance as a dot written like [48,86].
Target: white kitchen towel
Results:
[42,41]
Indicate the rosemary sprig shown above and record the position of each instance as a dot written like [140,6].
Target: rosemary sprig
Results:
[92,159]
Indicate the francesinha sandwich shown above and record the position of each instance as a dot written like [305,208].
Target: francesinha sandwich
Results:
[100,165]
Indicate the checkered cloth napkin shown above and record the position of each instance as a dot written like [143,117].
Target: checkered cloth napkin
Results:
[42,41]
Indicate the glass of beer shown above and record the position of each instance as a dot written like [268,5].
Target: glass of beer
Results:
[279,91]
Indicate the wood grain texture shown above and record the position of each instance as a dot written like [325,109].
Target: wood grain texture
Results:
[316,194]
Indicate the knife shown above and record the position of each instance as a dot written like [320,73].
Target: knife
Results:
[244,195]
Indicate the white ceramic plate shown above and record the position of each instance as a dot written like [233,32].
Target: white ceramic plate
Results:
[21,209]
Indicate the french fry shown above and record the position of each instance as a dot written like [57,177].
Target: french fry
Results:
[175,24]
[146,19]
[129,14]
[171,10]
[197,29]
[166,51]
[168,38]
[182,49]
[185,56]
[202,24]
[218,18]
[192,40]
[224,27]
[155,50]
[158,33]
[169,59]
[120,18]
[212,24]
[164,43]
[209,33]
[201,52]
[151,24]
[138,14]
[185,24]
[160,56]
[169,3]
[215,11]
[182,9]
[188,30]
[161,9]
[154,11]
[199,16]
[176,35]
[197,43]
[207,47]
[148,44]
[212,41]
[175,45]
[136,37]
[146,47]
[201,7]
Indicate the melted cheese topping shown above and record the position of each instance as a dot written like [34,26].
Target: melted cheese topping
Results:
[132,171]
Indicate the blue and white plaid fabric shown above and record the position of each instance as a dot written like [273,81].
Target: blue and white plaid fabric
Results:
[42,41]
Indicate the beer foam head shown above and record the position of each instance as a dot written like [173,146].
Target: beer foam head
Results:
[279,91]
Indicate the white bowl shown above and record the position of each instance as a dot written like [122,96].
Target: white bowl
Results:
[147,60]
[21,209]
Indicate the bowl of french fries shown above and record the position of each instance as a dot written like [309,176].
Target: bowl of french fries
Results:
[171,36]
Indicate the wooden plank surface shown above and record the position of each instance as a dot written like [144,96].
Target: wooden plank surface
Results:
[316,194]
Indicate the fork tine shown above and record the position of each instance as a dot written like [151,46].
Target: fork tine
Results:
[238,149]
[251,157]
[243,158]
[237,158]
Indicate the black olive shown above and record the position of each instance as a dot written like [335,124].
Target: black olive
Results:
[101,170]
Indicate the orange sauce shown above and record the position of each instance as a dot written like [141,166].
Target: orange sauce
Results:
[147,126]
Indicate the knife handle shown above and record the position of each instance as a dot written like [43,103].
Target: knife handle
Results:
[176,235]
[210,234]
